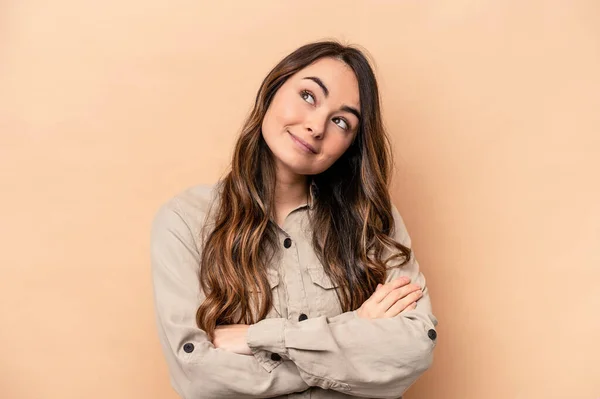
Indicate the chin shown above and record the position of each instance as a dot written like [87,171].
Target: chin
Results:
[299,168]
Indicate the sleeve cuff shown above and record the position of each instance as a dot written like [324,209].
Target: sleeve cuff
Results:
[267,334]
[343,317]
[265,339]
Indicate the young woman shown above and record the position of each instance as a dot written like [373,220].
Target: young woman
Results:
[293,275]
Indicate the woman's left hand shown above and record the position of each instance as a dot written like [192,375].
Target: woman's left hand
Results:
[232,338]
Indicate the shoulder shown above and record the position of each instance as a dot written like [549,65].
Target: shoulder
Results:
[400,233]
[188,209]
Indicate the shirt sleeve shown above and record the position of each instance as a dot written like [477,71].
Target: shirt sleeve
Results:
[379,358]
[197,369]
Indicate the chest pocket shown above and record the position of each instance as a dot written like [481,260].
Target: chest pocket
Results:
[324,298]
[274,284]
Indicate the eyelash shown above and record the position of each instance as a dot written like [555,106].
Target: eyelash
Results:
[308,92]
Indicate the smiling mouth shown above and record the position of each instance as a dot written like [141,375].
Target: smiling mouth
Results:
[305,145]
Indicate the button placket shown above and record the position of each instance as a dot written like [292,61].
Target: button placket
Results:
[295,282]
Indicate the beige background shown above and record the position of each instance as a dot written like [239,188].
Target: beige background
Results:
[108,108]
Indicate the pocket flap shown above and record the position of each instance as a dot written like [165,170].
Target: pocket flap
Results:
[320,278]
[273,277]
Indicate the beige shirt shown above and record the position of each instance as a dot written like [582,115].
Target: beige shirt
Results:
[306,347]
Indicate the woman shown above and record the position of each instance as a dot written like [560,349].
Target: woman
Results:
[293,275]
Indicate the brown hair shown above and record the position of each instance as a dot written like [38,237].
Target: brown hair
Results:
[352,219]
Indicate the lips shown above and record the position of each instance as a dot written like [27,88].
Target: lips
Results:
[304,143]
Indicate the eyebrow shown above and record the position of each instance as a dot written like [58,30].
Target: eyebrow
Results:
[346,108]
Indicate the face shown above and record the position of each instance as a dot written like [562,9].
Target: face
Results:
[313,117]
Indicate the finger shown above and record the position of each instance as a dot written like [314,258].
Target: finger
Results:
[403,303]
[412,306]
[388,287]
[396,295]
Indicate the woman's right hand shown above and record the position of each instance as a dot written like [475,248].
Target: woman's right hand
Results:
[391,299]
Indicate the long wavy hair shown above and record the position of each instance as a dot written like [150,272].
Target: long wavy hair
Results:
[351,215]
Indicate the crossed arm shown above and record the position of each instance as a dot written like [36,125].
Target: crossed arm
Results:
[361,353]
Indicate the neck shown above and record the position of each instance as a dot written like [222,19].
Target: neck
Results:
[291,191]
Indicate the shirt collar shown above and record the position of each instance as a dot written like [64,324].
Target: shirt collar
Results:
[310,204]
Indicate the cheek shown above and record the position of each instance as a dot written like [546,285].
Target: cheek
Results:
[286,110]
[334,149]
[342,145]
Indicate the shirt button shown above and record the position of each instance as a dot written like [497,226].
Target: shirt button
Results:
[302,317]
[275,357]
[188,348]
[432,334]
[287,242]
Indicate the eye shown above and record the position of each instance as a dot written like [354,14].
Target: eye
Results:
[308,97]
[341,122]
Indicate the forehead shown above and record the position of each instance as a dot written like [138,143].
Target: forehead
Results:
[338,77]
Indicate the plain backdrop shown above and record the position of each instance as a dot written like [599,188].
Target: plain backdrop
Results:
[109,108]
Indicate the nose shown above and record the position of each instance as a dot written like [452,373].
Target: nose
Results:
[314,133]
[315,126]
